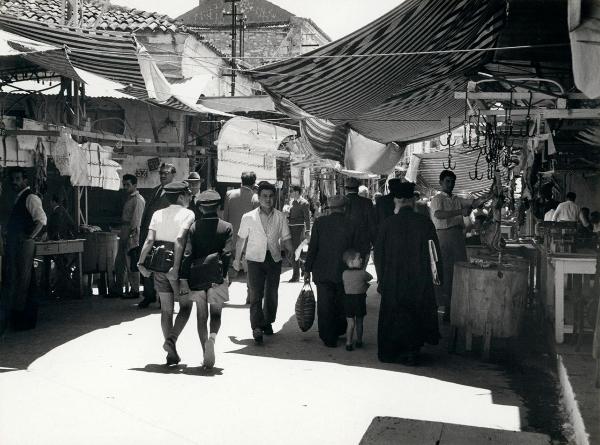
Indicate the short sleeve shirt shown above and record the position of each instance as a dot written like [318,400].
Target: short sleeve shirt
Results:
[443,201]
[170,223]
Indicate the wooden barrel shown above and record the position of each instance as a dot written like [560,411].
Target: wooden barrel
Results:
[484,303]
[99,252]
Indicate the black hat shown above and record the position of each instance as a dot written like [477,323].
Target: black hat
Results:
[404,190]
[352,183]
[393,183]
[176,187]
[208,198]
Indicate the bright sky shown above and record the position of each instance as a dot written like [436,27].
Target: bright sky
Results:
[336,17]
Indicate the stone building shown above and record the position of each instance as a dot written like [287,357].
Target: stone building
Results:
[268,32]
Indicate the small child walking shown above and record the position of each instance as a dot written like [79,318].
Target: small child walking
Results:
[356,282]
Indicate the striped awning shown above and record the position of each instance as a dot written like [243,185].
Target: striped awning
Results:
[116,56]
[108,54]
[394,79]
[19,55]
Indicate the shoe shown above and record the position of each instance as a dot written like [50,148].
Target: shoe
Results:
[131,296]
[268,329]
[412,359]
[349,348]
[330,344]
[145,303]
[258,336]
[358,344]
[209,353]
[172,356]
[294,280]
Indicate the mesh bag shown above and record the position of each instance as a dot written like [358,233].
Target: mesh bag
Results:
[305,308]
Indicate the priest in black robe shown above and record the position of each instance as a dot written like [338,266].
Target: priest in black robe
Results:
[408,311]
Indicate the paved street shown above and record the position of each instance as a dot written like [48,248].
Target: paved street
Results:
[93,373]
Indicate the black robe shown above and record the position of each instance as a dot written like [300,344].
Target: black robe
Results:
[408,311]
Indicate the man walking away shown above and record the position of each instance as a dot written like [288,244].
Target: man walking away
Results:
[156,202]
[263,232]
[408,311]
[360,210]
[237,203]
[25,223]
[384,206]
[206,261]
[299,222]
[129,239]
[168,232]
[330,237]
[568,210]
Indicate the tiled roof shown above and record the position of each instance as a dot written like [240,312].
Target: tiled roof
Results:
[115,18]
[210,13]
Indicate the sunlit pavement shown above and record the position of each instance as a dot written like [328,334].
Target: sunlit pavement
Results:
[93,373]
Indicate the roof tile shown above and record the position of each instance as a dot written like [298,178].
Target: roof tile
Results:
[115,18]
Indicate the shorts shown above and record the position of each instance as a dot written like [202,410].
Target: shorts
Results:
[355,305]
[162,284]
[214,295]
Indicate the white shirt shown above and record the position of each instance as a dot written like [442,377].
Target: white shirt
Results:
[171,223]
[264,233]
[33,203]
[566,211]
[548,215]
[445,202]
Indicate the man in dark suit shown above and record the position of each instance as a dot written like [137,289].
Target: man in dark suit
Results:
[194,181]
[360,210]
[299,222]
[384,206]
[331,236]
[155,202]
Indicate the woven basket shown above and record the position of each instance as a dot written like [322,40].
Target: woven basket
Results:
[305,308]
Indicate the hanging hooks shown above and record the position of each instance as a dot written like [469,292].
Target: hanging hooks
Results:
[449,143]
[527,118]
[476,175]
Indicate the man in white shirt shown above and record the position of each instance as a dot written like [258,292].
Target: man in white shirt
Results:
[26,221]
[263,231]
[448,211]
[169,227]
[568,210]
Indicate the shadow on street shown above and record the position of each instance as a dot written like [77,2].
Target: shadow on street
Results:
[199,371]
[60,321]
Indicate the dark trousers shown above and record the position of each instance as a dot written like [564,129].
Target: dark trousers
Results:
[330,311]
[297,233]
[263,283]
[19,300]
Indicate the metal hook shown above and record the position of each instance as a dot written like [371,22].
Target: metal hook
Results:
[476,175]
[527,118]
[449,142]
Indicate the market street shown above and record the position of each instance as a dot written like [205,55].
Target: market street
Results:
[93,372]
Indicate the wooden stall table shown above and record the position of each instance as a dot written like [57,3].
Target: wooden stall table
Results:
[488,303]
[62,247]
[559,266]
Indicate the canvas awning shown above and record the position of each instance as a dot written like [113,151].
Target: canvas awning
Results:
[22,55]
[116,56]
[392,80]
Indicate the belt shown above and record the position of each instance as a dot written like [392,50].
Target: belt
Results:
[453,227]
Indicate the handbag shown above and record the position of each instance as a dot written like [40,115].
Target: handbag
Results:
[161,257]
[305,308]
[204,272]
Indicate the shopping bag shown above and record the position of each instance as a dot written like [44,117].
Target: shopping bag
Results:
[305,308]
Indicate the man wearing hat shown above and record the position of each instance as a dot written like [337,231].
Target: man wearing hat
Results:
[408,310]
[155,202]
[168,230]
[360,211]
[194,181]
[204,269]
[331,236]
[384,206]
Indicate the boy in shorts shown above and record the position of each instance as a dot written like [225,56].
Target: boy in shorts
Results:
[169,226]
[208,253]
[356,282]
